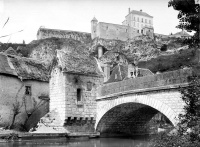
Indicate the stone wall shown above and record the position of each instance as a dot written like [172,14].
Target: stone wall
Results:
[76,115]
[114,31]
[57,93]
[12,90]
[157,80]
[80,115]
[48,33]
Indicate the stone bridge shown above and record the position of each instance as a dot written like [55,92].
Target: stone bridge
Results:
[133,106]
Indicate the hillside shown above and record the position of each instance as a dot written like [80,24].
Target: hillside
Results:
[144,51]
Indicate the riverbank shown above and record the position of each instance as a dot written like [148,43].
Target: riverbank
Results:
[13,135]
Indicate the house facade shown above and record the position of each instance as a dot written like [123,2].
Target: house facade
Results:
[23,85]
[138,20]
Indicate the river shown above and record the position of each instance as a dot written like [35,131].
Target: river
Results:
[98,142]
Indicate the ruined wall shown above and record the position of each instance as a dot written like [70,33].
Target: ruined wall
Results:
[9,87]
[48,33]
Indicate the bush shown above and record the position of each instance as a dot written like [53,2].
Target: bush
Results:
[164,140]
[163,47]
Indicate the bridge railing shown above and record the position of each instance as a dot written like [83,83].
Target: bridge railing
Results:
[165,79]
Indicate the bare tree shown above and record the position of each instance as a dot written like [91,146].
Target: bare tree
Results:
[16,108]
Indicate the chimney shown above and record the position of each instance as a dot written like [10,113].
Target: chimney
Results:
[129,10]
[140,10]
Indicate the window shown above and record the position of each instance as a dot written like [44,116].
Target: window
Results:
[145,20]
[27,90]
[89,86]
[131,74]
[115,76]
[134,18]
[142,19]
[141,26]
[102,68]
[149,21]
[138,31]
[138,25]
[78,94]
[138,19]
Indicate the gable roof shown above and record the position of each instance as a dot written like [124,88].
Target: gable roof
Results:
[5,68]
[182,33]
[140,13]
[23,68]
[74,62]
[10,51]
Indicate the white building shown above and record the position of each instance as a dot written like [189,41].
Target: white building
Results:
[138,20]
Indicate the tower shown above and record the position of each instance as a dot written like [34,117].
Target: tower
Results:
[94,22]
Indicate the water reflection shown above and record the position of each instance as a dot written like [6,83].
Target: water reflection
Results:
[63,142]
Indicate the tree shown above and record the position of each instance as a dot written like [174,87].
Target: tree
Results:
[188,16]
[190,119]
[16,108]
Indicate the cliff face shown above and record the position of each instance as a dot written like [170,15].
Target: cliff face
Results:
[45,49]
[142,50]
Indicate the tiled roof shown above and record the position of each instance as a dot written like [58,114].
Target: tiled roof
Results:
[182,33]
[74,62]
[23,68]
[94,19]
[141,13]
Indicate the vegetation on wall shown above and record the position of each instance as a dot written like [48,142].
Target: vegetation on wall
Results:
[188,130]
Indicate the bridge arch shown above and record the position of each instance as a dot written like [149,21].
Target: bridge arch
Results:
[170,109]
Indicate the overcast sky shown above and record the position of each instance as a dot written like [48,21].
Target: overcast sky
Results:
[29,15]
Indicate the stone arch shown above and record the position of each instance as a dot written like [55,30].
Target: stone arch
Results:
[104,107]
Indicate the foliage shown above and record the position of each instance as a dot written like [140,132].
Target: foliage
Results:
[165,140]
[11,136]
[5,46]
[164,47]
[190,119]
[188,17]
[188,127]
[171,62]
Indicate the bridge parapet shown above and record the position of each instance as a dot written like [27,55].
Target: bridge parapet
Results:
[177,77]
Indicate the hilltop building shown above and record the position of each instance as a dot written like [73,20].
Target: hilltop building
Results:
[112,31]
[139,20]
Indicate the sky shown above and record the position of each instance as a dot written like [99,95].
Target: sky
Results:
[76,15]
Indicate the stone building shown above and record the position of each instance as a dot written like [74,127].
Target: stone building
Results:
[112,31]
[23,84]
[123,72]
[73,90]
[138,20]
